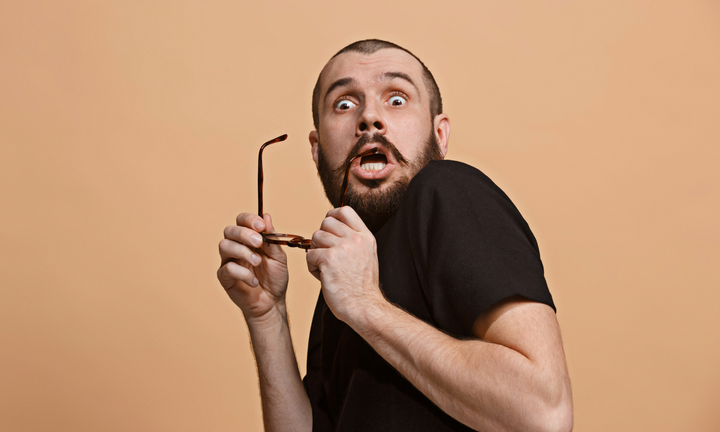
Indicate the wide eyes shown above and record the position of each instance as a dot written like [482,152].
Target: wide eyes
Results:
[344,104]
[397,101]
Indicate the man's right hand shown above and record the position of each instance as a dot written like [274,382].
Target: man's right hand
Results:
[253,273]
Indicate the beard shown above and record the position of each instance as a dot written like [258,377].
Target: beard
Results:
[376,205]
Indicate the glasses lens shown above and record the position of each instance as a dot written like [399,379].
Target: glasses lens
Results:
[281,239]
[301,243]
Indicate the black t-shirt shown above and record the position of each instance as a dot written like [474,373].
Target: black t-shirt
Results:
[456,247]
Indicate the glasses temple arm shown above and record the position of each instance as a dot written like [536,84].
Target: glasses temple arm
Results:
[260,171]
[347,172]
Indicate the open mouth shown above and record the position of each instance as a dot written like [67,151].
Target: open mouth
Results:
[374,162]
[374,165]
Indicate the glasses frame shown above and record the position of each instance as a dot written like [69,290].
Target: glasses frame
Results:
[292,240]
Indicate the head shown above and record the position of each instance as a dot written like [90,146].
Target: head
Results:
[375,94]
[371,46]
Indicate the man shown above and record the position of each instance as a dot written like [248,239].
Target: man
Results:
[434,313]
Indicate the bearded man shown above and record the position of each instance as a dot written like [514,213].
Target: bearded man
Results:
[434,313]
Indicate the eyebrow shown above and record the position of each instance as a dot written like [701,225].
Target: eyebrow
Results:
[342,82]
[401,75]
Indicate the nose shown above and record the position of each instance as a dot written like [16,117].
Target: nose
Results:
[370,120]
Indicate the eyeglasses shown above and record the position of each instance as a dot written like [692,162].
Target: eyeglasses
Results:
[293,240]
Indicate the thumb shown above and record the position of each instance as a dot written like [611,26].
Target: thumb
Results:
[268,223]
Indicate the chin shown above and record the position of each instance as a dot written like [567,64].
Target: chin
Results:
[376,205]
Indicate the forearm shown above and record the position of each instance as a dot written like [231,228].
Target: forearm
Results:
[483,385]
[513,379]
[285,404]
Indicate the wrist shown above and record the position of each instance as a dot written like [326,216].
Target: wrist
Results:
[370,316]
[269,320]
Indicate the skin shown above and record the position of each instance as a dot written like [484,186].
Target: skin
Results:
[376,102]
[512,377]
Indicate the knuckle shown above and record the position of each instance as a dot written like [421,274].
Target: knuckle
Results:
[230,248]
[330,255]
[348,211]
[357,239]
[225,275]
[245,219]
[229,231]
[325,223]
[352,247]
[237,271]
[369,238]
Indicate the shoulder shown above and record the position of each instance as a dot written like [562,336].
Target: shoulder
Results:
[469,243]
[442,172]
[453,183]
[450,199]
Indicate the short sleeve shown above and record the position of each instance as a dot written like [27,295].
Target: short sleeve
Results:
[470,245]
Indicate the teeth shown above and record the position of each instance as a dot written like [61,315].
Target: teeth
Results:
[373,166]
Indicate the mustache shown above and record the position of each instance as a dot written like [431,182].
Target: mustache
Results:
[378,138]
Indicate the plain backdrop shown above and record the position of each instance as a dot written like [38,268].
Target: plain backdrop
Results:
[129,133]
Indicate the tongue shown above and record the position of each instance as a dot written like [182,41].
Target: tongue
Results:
[376,158]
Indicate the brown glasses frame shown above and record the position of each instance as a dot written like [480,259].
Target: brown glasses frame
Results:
[293,240]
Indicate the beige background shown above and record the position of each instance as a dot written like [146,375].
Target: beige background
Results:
[128,138]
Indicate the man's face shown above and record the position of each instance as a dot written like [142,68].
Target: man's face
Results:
[367,101]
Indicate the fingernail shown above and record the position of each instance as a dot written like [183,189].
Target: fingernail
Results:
[258,225]
[256,239]
[256,259]
[255,282]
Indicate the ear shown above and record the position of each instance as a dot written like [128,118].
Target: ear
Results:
[441,126]
[314,146]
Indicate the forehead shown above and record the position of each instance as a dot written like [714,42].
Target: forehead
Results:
[367,67]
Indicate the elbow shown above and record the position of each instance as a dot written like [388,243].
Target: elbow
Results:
[555,405]
[547,408]
[558,418]
[555,415]
[535,415]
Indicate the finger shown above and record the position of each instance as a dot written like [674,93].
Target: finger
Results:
[334,227]
[323,239]
[274,251]
[232,250]
[349,217]
[312,258]
[232,272]
[251,221]
[267,220]
[243,235]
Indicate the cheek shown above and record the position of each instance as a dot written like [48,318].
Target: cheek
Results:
[411,136]
[337,128]
[335,143]
[411,129]
[411,120]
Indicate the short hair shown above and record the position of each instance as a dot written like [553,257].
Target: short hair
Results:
[371,46]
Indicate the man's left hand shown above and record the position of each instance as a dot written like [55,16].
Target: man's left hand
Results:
[344,260]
